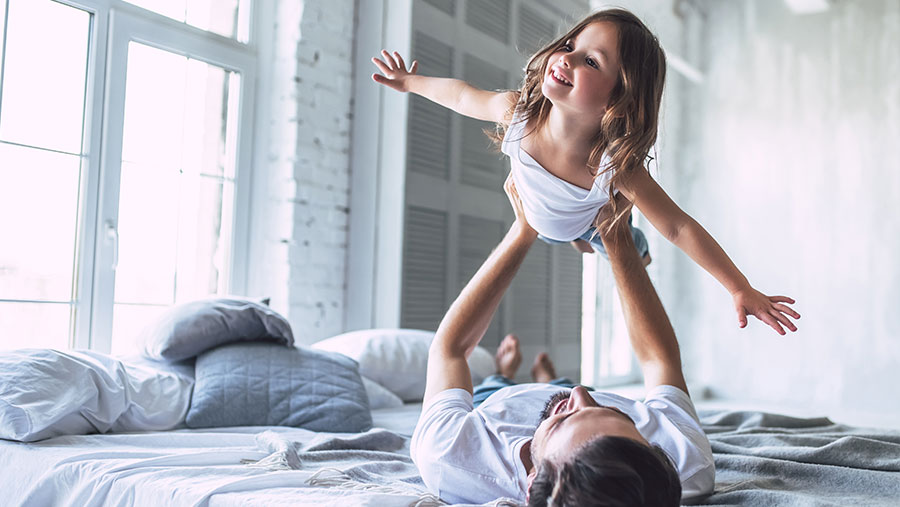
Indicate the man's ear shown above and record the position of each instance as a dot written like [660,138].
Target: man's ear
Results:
[529,480]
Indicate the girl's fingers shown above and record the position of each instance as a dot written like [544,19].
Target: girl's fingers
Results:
[786,309]
[415,67]
[742,317]
[400,63]
[768,319]
[782,299]
[388,59]
[381,66]
[784,320]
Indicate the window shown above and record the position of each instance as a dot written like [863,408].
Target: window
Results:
[175,205]
[99,237]
[42,113]
[230,18]
[607,356]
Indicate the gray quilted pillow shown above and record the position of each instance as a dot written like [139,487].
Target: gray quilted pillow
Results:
[264,384]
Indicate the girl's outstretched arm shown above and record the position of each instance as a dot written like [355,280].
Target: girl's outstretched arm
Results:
[688,235]
[454,94]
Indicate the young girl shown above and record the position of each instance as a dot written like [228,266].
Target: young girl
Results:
[578,132]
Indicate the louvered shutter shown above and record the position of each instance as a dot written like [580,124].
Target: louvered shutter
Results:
[490,17]
[424,269]
[565,340]
[477,238]
[482,165]
[534,31]
[429,123]
[447,6]
[455,211]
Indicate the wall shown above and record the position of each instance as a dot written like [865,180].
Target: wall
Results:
[299,217]
[789,160]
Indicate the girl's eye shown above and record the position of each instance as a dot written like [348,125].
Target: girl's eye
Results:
[567,47]
[592,63]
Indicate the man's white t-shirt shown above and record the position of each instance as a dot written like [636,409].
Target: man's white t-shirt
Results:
[471,455]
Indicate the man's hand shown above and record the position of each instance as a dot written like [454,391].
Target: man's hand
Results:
[516,202]
[620,229]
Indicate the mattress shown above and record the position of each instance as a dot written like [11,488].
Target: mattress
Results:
[761,459]
[218,467]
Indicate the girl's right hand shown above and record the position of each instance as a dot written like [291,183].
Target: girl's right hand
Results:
[395,74]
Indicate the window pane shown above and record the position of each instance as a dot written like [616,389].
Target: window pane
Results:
[154,106]
[176,193]
[34,325]
[44,75]
[2,37]
[148,234]
[179,103]
[205,119]
[39,210]
[204,236]
[617,348]
[224,17]
[128,322]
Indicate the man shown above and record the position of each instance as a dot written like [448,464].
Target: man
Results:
[549,445]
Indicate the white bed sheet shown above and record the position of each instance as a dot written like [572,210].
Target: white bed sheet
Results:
[179,467]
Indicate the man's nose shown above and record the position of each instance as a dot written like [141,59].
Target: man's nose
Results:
[581,397]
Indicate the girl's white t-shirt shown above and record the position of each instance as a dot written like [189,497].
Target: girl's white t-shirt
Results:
[471,455]
[554,207]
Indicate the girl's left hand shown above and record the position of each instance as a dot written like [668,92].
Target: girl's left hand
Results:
[769,309]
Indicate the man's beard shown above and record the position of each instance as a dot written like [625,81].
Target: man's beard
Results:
[551,404]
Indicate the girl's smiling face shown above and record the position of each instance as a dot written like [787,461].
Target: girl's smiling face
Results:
[582,73]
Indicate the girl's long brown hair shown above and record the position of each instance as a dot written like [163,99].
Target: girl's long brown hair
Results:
[629,123]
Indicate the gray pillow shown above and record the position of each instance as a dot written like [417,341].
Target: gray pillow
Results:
[261,384]
[186,330]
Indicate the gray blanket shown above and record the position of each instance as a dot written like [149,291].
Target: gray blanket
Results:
[761,460]
[767,459]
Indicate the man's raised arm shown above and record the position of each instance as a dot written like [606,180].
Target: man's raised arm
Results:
[649,329]
[470,315]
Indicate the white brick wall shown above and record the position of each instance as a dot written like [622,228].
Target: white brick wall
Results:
[301,209]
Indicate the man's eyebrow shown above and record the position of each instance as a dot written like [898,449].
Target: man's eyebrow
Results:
[559,422]
[620,412]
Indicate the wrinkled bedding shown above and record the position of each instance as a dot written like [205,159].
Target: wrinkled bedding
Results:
[761,459]
[768,459]
[223,466]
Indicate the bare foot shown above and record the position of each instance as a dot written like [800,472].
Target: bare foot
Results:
[508,357]
[542,370]
[582,246]
[646,260]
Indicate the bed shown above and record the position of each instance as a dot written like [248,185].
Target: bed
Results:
[219,466]
[85,429]
[761,459]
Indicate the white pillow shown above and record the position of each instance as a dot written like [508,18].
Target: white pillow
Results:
[45,393]
[379,397]
[396,358]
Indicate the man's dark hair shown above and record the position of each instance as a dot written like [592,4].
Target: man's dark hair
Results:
[608,471]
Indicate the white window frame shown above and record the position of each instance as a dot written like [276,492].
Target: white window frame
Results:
[114,24]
